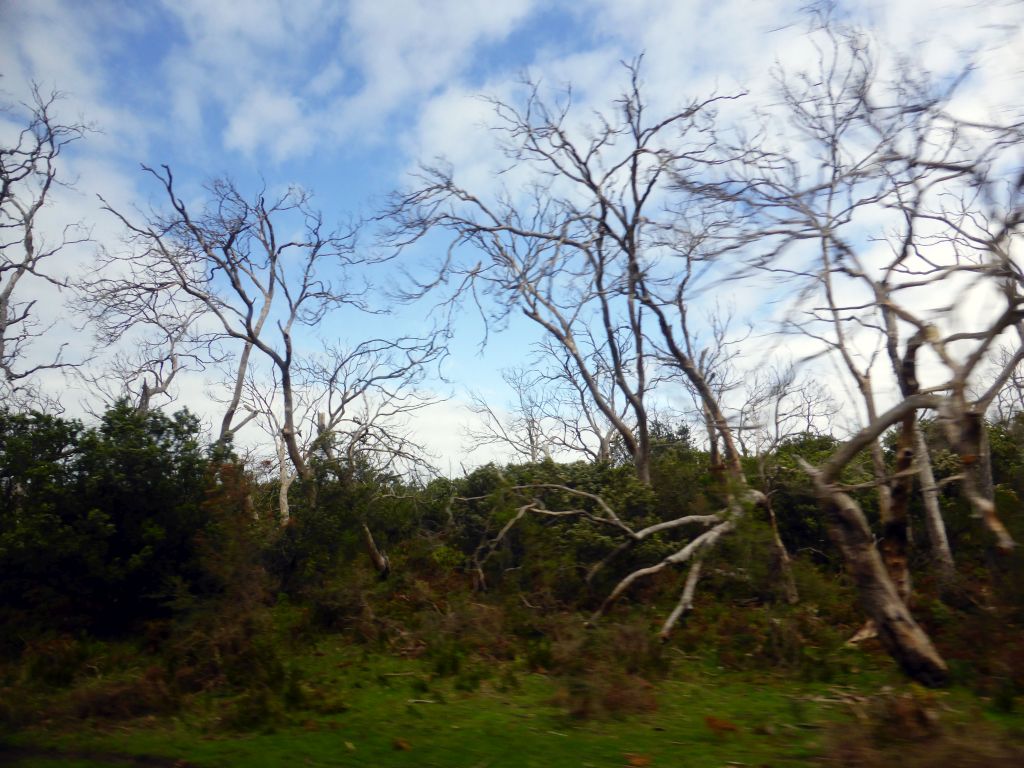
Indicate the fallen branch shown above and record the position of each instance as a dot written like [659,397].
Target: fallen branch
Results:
[685,604]
[703,541]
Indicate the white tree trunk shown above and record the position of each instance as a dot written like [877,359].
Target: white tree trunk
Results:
[941,554]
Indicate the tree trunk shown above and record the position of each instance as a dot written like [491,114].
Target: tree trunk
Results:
[782,558]
[981,470]
[968,432]
[236,392]
[685,604]
[285,480]
[901,636]
[379,559]
[896,529]
[288,433]
[935,526]
[642,462]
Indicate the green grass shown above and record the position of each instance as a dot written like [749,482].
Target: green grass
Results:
[509,720]
[377,710]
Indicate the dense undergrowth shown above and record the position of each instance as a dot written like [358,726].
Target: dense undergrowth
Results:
[152,602]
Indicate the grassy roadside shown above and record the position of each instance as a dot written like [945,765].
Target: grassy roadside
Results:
[352,708]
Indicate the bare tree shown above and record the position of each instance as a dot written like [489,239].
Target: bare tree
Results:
[595,251]
[362,397]
[258,270]
[629,220]
[28,177]
[780,404]
[522,429]
[232,259]
[948,197]
[571,249]
[150,360]
[1009,400]
[552,411]
[350,406]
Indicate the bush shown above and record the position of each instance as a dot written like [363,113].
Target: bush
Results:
[97,525]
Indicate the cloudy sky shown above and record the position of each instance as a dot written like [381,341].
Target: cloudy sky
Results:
[344,98]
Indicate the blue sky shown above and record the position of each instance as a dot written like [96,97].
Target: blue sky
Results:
[344,98]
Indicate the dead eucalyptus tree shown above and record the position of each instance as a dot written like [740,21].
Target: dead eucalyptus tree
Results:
[603,247]
[896,212]
[552,412]
[255,284]
[579,427]
[260,269]
[568,247]
[1009,400]
[29,163]
[150,357]
[779,403]
[351,407]
[853,139]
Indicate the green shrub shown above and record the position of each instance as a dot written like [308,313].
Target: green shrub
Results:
[97,525]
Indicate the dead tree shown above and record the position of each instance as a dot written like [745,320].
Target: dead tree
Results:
[1009,400]
[579,427]
[157,351]
[948,204]
[778,404]
[522,428]
[29,165]
[552,411]
[363,396]
[350,407]
[592,249]
[571,247]
[262,269]
[257,285]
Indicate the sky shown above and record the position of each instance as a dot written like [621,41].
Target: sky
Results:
[346,98]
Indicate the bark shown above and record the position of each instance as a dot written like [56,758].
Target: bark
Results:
[282,496]
[782,558]
[967,431]
[642,462]
[379,559]
[935,526]
[236,392]
[901,636]
[896,525]
[982,468]
[896,529]
[285,479]
[716,467]
[697,545]
[685,604]
[288,433]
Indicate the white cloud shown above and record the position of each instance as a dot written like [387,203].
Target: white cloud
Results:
[60,47]
[291,78]
[272,121]
[248,61]
[404,48]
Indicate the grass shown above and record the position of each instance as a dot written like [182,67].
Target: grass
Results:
[359,709]
[340,703]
